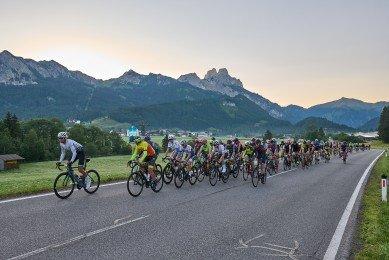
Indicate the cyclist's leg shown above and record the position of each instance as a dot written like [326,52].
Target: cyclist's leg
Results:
[81,163]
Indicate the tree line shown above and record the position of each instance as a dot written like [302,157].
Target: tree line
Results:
[383,126]
[36,139]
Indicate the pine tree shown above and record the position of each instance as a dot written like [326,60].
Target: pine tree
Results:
[383,127]
[12,123]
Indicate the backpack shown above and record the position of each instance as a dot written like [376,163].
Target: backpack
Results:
[156,147]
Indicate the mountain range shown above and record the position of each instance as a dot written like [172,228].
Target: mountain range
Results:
[218,101]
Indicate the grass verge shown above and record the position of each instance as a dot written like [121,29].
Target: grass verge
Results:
[39,176]
[373,230]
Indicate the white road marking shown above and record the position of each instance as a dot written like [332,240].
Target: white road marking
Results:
[52,193]
[245,244]
[282,173]
[333,247]
[277,250]
[77,238]
[121,219]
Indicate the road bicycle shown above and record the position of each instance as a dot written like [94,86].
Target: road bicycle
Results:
[287,163]
[170,170]
[185,173]
[216,173]
[251,169]
[140,178]
[65,182]
[344,156]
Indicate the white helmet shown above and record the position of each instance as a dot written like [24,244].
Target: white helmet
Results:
[247,143]
[170,137]
[62,135]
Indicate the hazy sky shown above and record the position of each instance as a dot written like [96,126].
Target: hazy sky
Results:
[300,52]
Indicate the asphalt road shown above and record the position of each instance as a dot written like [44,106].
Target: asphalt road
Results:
[294,215]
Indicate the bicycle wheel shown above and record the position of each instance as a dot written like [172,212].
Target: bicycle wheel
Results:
[94,178]
[179,179]
[200,173]
[213,175]
[245,173]
[255,177]
[158,182]
[135,183]
[263,177]
[168,173]
[192,176]
[235,171]
[63,185]
[285,164]
[225,175]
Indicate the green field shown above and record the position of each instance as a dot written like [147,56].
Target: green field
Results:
[373,231]
[38,177]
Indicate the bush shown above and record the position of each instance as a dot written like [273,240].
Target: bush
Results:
[36,140]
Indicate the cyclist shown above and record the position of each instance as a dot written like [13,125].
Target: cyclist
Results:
[220,151]
[248,152]
[343,148]
[231,149]
[238,145]
[187,153]
[295,151]
[78,153]
[205,149]
[174,147]
[146,154]
[260,153]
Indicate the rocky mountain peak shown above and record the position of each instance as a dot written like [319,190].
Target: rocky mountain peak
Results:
[210,73]
[223,71]
[6,53]
[130,76]
[191,78]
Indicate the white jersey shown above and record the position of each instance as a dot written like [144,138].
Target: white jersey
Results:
[70,145]
[220,149]
[188,150]
[175,146]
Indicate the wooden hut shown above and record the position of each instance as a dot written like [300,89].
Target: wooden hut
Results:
[10,161]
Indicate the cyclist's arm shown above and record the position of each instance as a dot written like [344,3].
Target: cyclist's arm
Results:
[63,152]
[143,156]
[134,154]
[74,153]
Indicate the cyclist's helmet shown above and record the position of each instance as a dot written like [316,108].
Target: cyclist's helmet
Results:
[170,137]
[183,143]
[247,143]
[215,142]
[62,135]
[229,141]
[147,137]
[138,139]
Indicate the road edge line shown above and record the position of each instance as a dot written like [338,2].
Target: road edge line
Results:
[333,247]
[52,193]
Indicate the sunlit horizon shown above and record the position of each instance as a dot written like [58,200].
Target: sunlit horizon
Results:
[303,53]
